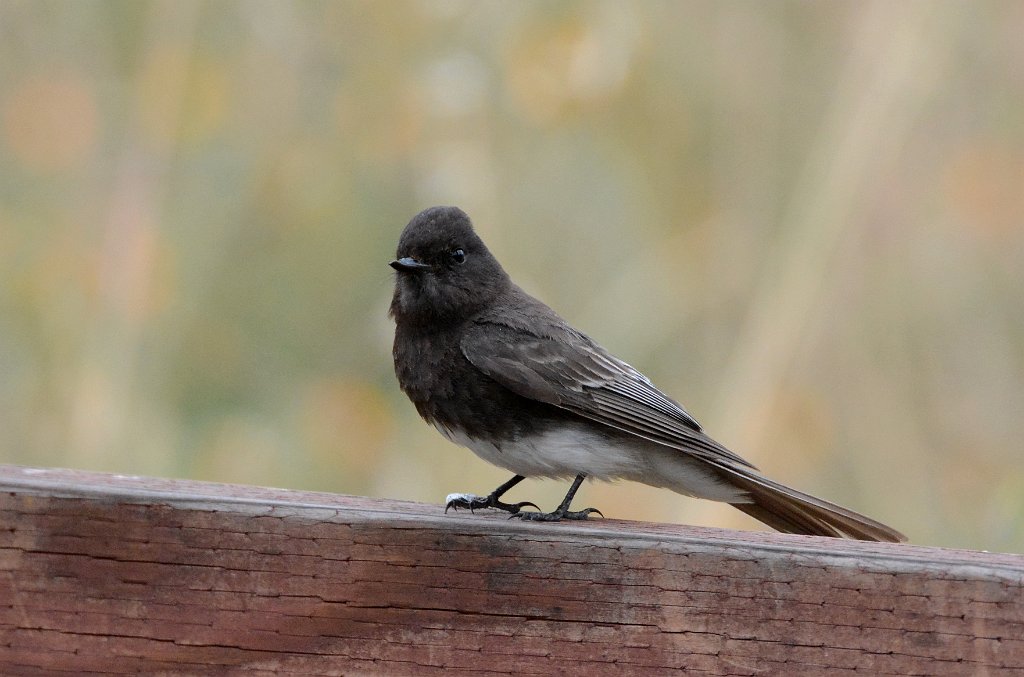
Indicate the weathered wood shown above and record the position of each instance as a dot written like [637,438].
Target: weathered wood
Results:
[107,574]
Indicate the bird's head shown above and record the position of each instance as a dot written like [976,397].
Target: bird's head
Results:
[444,270]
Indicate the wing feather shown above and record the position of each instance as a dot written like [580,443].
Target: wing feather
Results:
[572,372]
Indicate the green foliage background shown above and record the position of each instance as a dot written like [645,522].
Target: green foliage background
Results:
[803,220]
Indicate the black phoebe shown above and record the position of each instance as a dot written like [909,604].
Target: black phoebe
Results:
[497,371]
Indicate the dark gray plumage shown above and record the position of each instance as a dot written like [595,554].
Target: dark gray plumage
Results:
[499,372]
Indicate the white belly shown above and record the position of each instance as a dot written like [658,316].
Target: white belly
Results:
[578,449]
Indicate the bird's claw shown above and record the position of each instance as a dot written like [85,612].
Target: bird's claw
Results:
[556,516]
[469,501]
[472,502]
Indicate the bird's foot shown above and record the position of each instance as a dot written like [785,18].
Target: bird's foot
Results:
[556,516]
[474,502]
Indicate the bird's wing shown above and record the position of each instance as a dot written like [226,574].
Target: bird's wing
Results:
[567,369]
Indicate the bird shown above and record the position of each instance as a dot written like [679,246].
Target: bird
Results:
[497,371]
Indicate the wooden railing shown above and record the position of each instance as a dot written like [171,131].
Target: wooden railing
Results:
[107,573]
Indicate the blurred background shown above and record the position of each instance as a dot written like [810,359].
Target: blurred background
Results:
[805,221]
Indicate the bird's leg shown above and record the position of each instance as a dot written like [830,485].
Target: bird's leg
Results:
[562,512]
[473,502]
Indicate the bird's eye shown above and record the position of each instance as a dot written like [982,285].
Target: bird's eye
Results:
[458,256]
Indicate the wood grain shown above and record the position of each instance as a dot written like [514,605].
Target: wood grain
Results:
[112,574]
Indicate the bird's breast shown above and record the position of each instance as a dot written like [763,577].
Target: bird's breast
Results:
[449,391]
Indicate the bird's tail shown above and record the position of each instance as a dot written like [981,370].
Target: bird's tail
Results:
[794,512]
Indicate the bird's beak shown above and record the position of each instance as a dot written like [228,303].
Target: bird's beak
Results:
[408,264]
